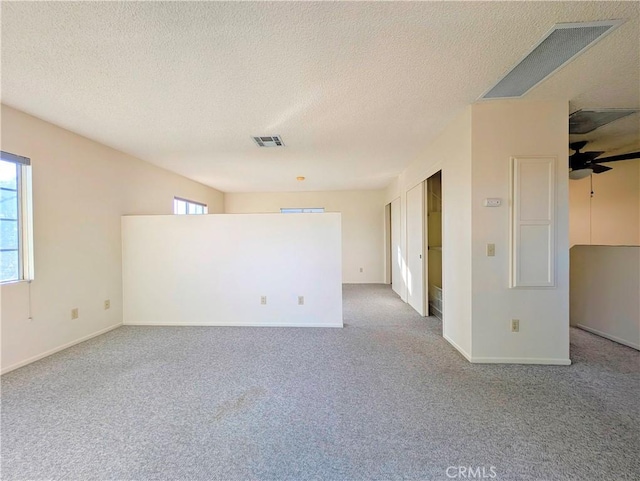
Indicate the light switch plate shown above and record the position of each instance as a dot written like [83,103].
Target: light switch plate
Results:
[491,250]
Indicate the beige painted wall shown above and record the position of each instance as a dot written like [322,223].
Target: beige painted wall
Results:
[228,263]
[501,130]
[612,215]
[80,191]
[450,152]
[474,154]
[363,241]
[605,281]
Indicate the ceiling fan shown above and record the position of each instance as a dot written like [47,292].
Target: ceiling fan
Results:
[583,164]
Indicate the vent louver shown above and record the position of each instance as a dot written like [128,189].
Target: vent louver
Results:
[269,141]
[559,46]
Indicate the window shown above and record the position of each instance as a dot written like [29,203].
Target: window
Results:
[16,253]
[184,206]
[302,210]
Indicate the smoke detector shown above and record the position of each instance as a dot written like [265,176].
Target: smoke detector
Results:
[269,141]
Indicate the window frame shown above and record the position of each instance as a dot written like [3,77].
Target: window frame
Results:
[302,210]
[205,207]
[24,218]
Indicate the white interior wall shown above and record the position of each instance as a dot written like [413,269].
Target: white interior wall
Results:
[363,232]
[612,215]
[501,130]
[213,270]
[450,152]
[605,282]
[415,255]
[80,190]
[474,154]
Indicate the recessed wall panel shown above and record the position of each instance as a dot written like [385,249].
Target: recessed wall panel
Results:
[534,255]
[533,222]
[534,203]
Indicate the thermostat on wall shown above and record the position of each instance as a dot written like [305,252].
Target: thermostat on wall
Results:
[492,202]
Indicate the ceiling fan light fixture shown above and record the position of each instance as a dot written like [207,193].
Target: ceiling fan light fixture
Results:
[578,174]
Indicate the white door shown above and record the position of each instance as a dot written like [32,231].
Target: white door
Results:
[396,255]
[415,248]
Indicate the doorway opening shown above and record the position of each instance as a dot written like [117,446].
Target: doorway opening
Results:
[393,274]
[433,235]
[388,275]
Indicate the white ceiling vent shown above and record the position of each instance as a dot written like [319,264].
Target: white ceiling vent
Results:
[269,141]
[563,43]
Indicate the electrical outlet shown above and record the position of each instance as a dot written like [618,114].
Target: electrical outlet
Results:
[491,250]
[515,325]
[107,304]
[75,313]
[263,300]
[300,300]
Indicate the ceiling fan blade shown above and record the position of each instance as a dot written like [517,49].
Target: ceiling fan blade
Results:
[584,121]
[613,158]
[583,158]
[599,169]
[578,145]
[590,156]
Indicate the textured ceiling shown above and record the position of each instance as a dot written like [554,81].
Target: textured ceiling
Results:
[357,90]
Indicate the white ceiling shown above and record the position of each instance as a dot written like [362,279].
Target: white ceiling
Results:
[356,90]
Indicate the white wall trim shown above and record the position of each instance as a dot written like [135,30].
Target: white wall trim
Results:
[458,348]
[520,360]
[507,360]
[231,324]
[523,216]
[378,283]
[609,336]
[58,349]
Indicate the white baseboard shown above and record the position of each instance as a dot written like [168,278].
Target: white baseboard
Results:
[521,360]
[507,360]
[57,349]
[235,324]
[609,336]
[458,348]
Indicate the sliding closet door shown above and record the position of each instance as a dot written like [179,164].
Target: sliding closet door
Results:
[415,248]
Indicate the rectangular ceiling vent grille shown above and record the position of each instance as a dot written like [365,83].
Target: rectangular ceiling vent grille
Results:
[269,141]
[563,43]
